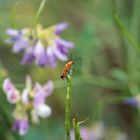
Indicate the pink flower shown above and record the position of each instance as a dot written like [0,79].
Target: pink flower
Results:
[21,125]
[29,102]
[13,95]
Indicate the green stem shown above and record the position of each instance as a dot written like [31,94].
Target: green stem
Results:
[39,11]
[67,111]
[13,15]
[128,35]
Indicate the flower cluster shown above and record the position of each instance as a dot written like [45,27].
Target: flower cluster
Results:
[30,103]
[41,45]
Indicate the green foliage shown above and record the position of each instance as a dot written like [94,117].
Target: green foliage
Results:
[106,34]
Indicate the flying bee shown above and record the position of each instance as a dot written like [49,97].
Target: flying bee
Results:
[68,68]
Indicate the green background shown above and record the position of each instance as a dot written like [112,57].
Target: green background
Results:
[107,73]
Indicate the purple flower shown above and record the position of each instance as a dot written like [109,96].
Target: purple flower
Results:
[13,95]
[48,88]
[94,133]
[61,49]
[25,96]
[84,132]
[28,56]
[8,85]
[18,38]
[134,101]
[41,45]
[51,58]
[26,91]
[29,102]
[21,125]
[40,54]
[39,96]
[15,35]
[41,93]
[60,27]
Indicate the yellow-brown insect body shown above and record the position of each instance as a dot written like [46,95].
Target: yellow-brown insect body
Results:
[66,69]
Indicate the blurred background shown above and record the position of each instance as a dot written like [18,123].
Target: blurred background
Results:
[106,36]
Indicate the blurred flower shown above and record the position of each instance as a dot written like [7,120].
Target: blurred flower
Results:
[21,125]
[84,133]
[134,101]
[99,132]
[114,133]
[13,95]
[30,103]
[42,45]
[60,27]
[94,133]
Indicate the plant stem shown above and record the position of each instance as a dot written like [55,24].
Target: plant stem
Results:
[127,35]
[68,105]
[39,11]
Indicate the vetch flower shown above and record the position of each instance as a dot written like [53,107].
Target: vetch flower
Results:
[21,122]
[18,38]
[8,85]
[41,45]
[21,125]
[42,110]
[60,27]
[30,103]
[41,93]
[13,95]
[28,56]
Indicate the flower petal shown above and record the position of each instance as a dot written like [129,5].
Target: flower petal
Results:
[39,49]
[60,27]
[25,96]
[8,85]
[42,61]
[15,35]
[12,93]
[64,43]
[43,110]
[19,45]
[48,88]
[13,96]
[21,125]
[51,58]
[28,56]
[12,32]
[39,97]
[60,55]
[40,54]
